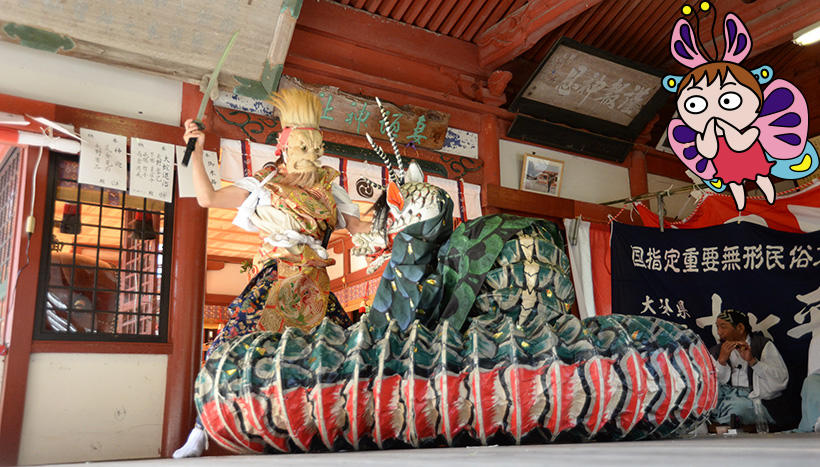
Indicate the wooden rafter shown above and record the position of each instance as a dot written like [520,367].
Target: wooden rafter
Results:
[441,14]
[488,11]
[427,13]
[453,17]
[523,28]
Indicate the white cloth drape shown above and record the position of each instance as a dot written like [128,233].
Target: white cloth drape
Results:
[580,259]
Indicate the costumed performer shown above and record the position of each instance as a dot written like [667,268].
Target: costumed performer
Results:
[749,367]
[295,205]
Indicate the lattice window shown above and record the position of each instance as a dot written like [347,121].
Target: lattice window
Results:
[9,169]
[103,278]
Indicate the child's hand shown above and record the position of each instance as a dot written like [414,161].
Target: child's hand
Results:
[738,141]
[707,143]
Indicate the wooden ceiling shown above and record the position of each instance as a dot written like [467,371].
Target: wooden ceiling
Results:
[635,29]
[461,19]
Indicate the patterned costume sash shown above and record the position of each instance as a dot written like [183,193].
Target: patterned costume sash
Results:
[299,296]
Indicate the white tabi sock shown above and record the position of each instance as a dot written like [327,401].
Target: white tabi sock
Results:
[194,446]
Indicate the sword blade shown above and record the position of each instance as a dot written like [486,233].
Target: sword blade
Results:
[214,78]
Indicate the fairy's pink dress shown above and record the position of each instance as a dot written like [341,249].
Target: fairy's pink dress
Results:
[734,167]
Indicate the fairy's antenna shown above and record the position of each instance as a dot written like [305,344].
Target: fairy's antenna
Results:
[705,7]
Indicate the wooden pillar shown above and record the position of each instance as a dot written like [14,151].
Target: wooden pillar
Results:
[188,268]
[186,320]
[638,182]
[488,152]
[23,290]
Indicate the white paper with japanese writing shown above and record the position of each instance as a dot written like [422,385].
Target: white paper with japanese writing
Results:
[152,169]
[103,160]
[185,175]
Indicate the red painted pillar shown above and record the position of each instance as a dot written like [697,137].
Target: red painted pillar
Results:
[22,291]
[186,305]
[185,326]
[488,152]
[638,183]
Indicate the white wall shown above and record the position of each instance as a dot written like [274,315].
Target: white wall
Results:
[49,77]
[227,281]
[584,179]
[88,407]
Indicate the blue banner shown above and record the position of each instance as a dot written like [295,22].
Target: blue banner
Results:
[687,276]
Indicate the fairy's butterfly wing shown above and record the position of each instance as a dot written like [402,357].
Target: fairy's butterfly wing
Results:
[682,140]
[798,167]
[783,121]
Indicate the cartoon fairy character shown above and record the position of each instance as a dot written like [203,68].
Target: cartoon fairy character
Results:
[730,130]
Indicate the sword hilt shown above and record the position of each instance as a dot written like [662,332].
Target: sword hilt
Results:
[189,149]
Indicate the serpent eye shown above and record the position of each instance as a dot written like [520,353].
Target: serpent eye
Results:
[695,104]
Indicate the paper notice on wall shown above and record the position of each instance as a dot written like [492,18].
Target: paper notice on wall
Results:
[451,187]
[102,160]
[357,186]
[243,158]
[185,175]
[472,200]
[152,169]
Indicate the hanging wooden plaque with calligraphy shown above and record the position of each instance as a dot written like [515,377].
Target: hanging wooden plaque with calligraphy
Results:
[584,87]
[360,115]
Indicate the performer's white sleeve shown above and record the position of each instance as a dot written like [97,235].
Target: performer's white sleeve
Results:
[770,374]
[256,197]
[344,205]
[724,372]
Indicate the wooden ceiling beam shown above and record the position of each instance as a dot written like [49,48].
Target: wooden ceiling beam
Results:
[522,29]
[466,19]
[427,13]
[413,12]
[770,23]
[387,7]
[331,24]
[398,12]
[603,36]
[495,15]
[592,21]
[441,14]
[372,5]
[454,16]
[662,10]
[478,21]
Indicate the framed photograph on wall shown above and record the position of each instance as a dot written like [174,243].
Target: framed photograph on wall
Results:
[541,175]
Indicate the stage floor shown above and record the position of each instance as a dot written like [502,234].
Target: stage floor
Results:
[781,449]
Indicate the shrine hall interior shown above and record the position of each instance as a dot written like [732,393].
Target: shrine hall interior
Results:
[110,298]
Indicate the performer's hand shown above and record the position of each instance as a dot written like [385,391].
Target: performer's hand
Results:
[193,131]
[745,351]
[726,350]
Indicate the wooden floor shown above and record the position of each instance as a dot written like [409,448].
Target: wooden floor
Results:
[780,449]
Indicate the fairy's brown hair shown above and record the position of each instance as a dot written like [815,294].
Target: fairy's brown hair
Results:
[720,70]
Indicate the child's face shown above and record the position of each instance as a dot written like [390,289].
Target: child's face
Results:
[729,101]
